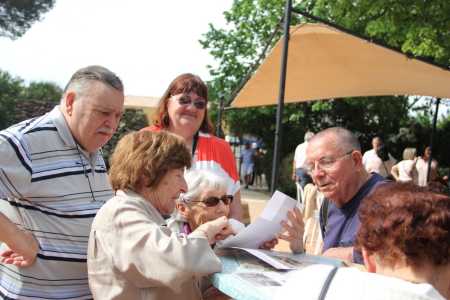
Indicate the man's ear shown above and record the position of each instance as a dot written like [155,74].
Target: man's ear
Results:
[69,99]
[183,210]
[369,261]
[357,157]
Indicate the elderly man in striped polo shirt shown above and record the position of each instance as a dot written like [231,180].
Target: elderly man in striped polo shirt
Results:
[52,182]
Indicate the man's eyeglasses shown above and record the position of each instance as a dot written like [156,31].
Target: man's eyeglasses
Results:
[325,163]
[186,100]
[213,201]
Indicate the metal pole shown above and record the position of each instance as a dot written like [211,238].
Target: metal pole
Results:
[433,130]
[219,118]
[279,125]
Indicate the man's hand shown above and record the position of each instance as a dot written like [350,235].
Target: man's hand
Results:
[293,230]
[22,251]
[344,253]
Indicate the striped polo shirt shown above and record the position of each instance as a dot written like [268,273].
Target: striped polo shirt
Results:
[51,187]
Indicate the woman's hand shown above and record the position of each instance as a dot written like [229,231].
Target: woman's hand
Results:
[268,245]
[22,251]
[293,230]
[216,230]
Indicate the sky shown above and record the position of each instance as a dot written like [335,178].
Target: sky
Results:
[147,43]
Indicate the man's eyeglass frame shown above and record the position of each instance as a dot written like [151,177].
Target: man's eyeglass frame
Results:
[325,163]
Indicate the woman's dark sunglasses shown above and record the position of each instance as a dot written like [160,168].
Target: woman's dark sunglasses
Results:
[186,100]
[213,201]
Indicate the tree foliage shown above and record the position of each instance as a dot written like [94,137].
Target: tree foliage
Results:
[417,27]
[19,101]
[17,16]
[10,89]
[43,91]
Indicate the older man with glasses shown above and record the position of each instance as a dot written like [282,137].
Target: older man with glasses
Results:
[334,161]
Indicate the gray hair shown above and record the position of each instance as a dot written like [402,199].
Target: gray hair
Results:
[199,181]
[81,78]
[409,153]
[308,136]
[344,138]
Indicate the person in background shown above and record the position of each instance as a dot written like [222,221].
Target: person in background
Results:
[183,110]
[132,253]
[334,161]
[405,241]
[405,170]
[247,163]
[422,168]
[259,171]
[299,173]
[378,159]
[53,180]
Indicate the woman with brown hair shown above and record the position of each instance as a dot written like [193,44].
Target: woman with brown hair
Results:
[183,110]
[132,254]
[405,239]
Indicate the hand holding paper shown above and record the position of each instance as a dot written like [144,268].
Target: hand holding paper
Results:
[266,227]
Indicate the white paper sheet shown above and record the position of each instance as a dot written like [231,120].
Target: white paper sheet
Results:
[266,226]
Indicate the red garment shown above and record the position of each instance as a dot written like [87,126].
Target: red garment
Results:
[215,155]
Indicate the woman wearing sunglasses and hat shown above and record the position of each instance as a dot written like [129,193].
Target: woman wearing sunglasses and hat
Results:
[183,110]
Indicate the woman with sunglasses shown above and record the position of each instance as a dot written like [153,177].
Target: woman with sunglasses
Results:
[183,110]
[206,199]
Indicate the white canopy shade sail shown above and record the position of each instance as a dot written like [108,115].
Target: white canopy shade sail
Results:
[325,63]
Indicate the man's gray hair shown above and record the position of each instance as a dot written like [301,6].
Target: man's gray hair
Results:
[345,138]
[199,181]
[85,75]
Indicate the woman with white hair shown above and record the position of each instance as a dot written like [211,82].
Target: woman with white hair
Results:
[206,199]
[405,171]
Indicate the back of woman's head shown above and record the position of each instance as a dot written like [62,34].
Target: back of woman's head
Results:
[182,84]
[148,155]
[401,222]
[409,153]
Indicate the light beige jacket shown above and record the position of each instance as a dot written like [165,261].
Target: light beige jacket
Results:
[133,255]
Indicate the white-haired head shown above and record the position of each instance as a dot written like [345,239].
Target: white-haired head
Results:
[199,181]
[308,136]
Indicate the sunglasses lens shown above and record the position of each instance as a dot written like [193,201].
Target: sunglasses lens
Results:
[199,104]
[211,201]
[184,100]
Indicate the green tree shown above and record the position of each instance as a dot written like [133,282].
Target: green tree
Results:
[42,91]
[17,16]
[10,89]
[419,27]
